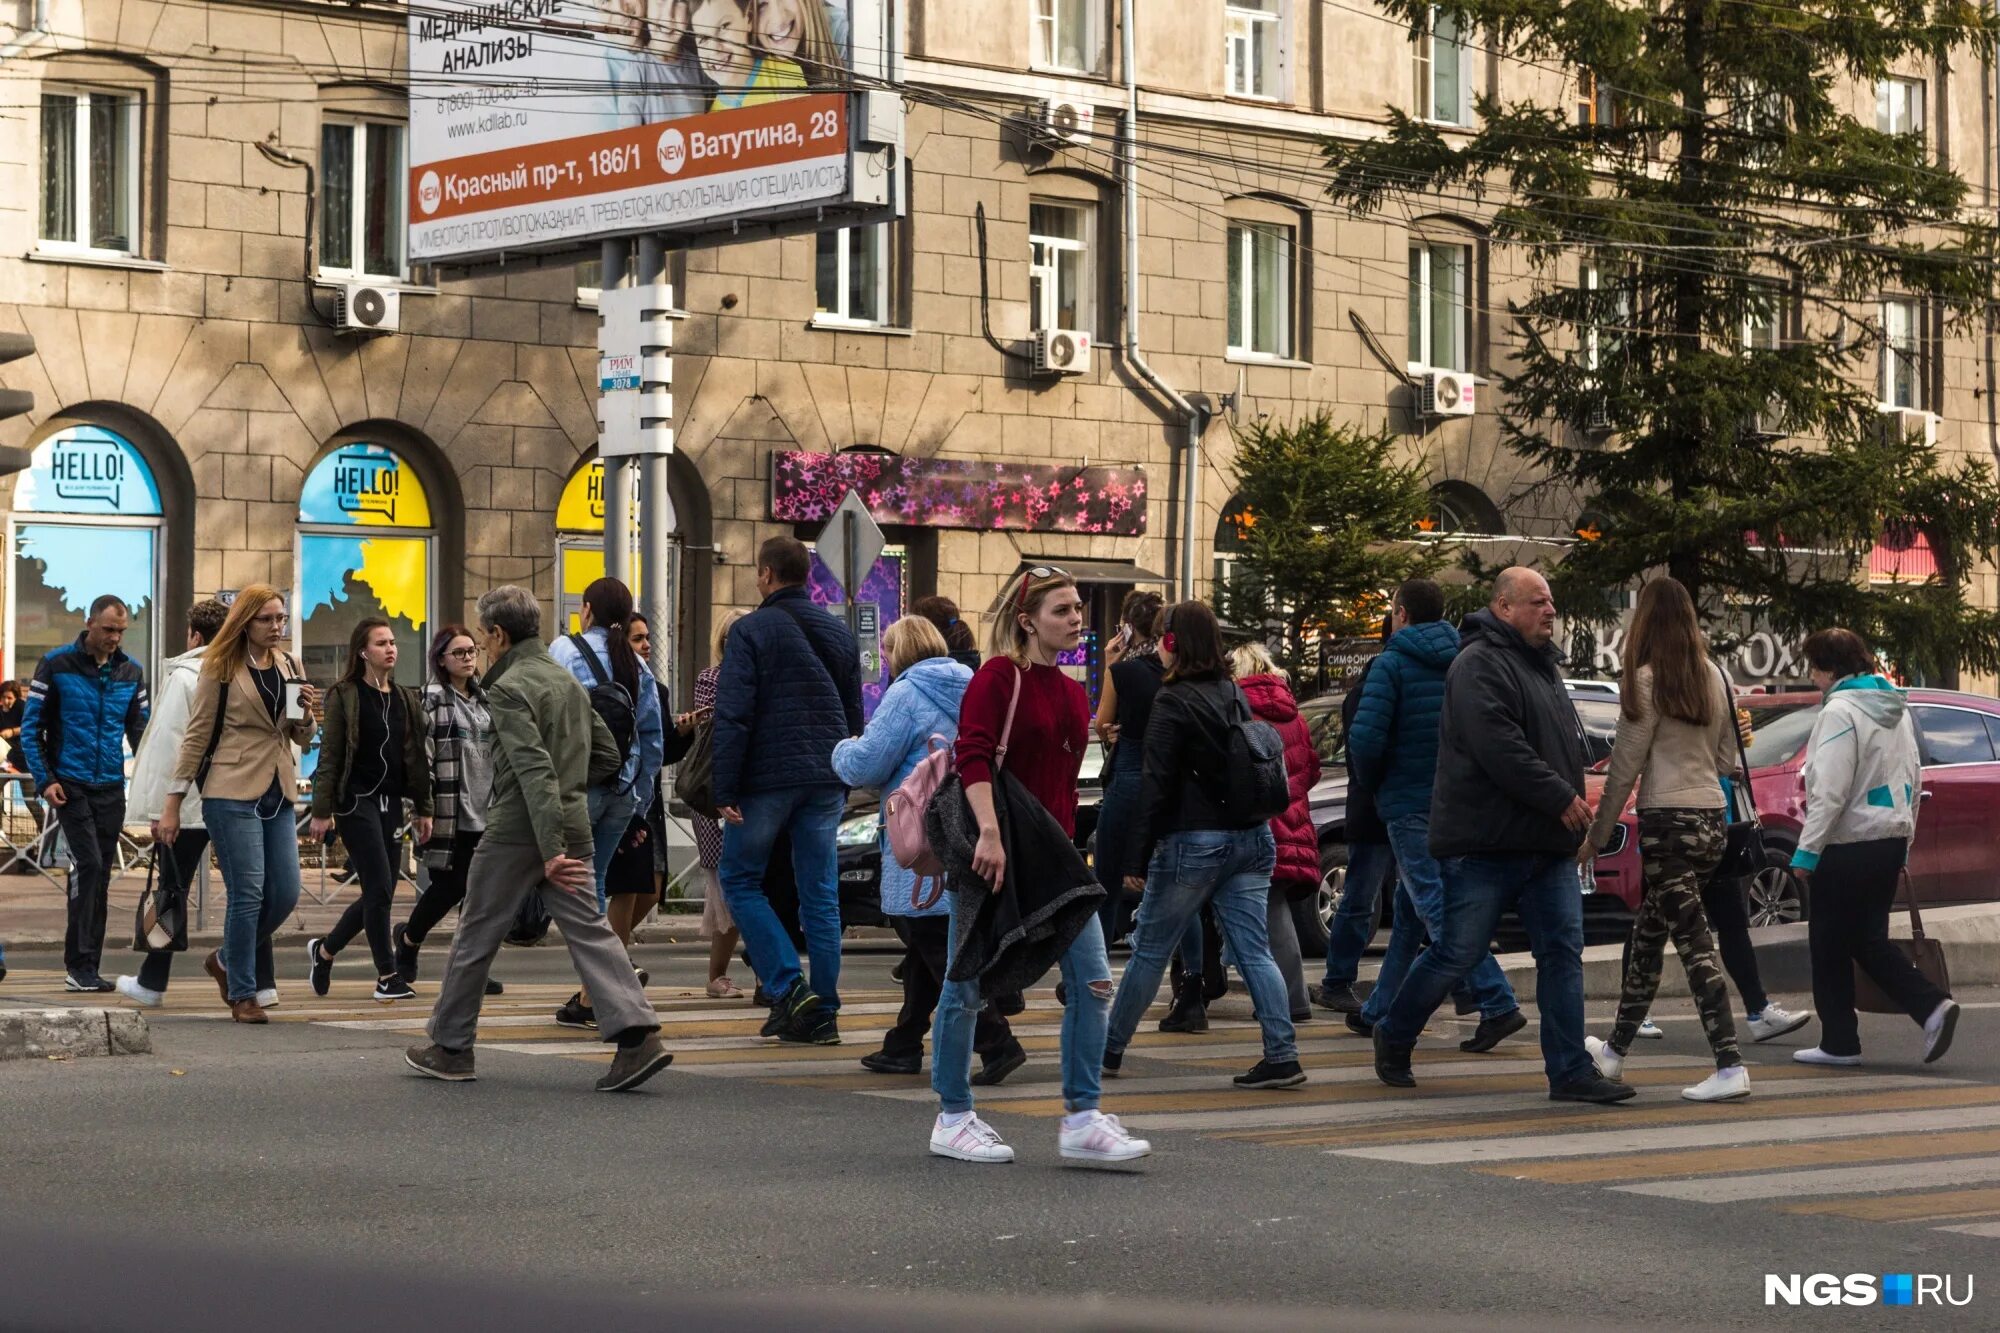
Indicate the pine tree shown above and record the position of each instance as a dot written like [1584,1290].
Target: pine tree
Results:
[1324,516]
[1720,193]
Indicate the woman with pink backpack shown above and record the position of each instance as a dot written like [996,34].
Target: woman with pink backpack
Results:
[918,715]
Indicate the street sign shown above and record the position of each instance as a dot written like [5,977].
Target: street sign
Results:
[851,543]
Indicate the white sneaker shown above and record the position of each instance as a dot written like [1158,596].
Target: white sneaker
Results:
[1776,1021]
[1101,1139]
[1813,1055]
[267,999]
[1721,1086]
[1651,1031]
[1938,1029]
[130,988]
[1608,1061]
[970,1140]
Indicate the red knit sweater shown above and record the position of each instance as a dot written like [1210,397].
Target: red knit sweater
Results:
[1051,729]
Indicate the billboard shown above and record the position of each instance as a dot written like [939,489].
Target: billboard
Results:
[538,123]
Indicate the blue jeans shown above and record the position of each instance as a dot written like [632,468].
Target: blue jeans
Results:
[810,815]
[257,845]
[1420,908]
[1232,869]
[1115,813]
[1085,969]
[1477,889]
[610,817]
[1369,865]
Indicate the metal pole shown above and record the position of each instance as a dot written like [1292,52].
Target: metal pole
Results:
[617,471]
[851,575]
[659,532]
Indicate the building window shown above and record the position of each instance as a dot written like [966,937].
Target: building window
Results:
[852,274]
[90,171]
[1597,103]
[1899,106]
[1902,355]
[1059,276]
[1260,289]
[1063,36]
[361,185]
[1440,307]
[1252,48]
[1443,83]
[1609,314]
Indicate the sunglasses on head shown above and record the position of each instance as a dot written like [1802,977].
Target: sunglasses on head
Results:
[1041,572]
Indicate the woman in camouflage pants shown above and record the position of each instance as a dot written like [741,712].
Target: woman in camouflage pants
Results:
[1676,737]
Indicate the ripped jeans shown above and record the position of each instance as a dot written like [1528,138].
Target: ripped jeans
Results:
[1086,974]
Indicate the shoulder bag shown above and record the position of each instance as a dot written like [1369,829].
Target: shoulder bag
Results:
[1925,954]
[952,791]
[1743,855]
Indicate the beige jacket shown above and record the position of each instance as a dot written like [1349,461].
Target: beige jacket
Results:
[252,749]
[1675,764]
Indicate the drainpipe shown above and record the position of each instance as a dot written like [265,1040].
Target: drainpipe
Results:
[33,36]
[1192,418]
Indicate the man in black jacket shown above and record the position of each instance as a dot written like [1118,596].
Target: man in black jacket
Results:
[1507,815]
[790,690]
[1370,863]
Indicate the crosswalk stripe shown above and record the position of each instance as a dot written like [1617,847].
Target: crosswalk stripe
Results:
[1907,1207]
[1903,1136]
[1646,1143]
[1988,1229]
[1833,1180]
[1864,1092]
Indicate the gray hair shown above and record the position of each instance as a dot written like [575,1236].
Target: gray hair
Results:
[512,610]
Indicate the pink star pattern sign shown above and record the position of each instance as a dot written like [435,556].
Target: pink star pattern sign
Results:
[962,493]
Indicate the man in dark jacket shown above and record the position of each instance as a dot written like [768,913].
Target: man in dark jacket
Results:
[1393,745]
[790,690]
[1369,866]
[86,704]
[1507,815]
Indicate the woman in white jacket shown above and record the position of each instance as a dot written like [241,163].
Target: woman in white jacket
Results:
[152,767]
[1862,776]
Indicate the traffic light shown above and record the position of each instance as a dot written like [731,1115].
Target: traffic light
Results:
[15,402]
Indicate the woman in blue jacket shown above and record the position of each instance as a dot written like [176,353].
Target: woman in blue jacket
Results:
[922,702]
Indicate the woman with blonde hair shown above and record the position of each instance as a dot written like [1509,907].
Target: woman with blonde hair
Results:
[240,753]
[808,31]
[918,711]
[716,923]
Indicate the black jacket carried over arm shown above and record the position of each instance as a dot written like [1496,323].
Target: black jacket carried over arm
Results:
[1510,748]
[1364,824]
[1184,763]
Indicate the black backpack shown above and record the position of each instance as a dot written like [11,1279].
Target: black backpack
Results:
[609,700]
[1252,785]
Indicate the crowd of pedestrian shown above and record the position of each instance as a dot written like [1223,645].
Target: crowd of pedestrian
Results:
[534,789]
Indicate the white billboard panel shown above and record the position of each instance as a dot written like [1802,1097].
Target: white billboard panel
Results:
[536,123]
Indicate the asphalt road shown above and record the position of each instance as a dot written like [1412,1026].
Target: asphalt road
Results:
[746,1172]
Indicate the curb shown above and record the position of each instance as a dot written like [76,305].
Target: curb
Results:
[58,1034]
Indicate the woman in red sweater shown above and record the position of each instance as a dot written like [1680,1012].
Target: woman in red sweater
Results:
[1040,617]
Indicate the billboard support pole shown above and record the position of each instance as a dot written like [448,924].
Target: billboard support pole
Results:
[659,532]
[617,469]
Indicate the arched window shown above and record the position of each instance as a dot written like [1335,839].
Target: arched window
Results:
[85,522]
[1457,507]
[366,548]
[580,541]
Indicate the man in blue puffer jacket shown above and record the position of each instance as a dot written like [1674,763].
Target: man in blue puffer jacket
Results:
[85,705]
[1394,744]
[790,690]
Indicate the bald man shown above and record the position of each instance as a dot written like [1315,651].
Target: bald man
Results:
[1507,815]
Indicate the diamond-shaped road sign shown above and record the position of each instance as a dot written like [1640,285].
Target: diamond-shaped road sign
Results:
[851,543]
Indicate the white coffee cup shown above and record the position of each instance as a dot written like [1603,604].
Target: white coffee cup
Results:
[295,702]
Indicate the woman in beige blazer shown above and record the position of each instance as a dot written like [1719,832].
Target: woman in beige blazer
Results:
[239,751]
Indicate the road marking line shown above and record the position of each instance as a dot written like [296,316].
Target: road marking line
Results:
[1991,1229]
[1643,1141]
[1834,1180]
[1907,1135]
[1913,1207]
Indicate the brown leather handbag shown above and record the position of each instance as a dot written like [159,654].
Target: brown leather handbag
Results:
[1925,954]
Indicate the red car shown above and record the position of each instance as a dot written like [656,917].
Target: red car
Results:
[1954,859]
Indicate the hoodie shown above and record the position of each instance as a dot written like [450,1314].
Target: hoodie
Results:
[921,703]
[1298,846]
[1394,739]
[160,748]
[1861,771]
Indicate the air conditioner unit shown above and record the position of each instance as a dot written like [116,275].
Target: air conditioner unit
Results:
[1900,423]
[1066,124]
[1061,352]
[1448,393]
[359,308]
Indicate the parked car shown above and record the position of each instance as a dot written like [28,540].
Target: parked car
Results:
[1953,859]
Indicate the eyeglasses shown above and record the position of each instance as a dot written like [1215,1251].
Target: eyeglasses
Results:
[269,620]
[462,654]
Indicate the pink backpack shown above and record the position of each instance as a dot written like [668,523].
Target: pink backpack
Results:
[903,811]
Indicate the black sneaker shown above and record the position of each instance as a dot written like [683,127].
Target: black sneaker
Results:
[896,971]
[390,989]
[1264,1074]
[994,1069]
[813,1025]
[633,1065]
[1492,1031]
[576,1014]
[1189,1012]
[406,953]
[1392,1063]
[782,1009]
[645,977]
[1359,1025]
[437,1062]
[1596,1088]
[494,988]
[1114,1063]
[320,977]
[881,1062]
[1340,999]
[78,984]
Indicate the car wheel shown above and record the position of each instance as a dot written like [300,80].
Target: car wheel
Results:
[1312,916]
[1777,897]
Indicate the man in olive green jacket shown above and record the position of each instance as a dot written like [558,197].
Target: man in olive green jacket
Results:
[548,746]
